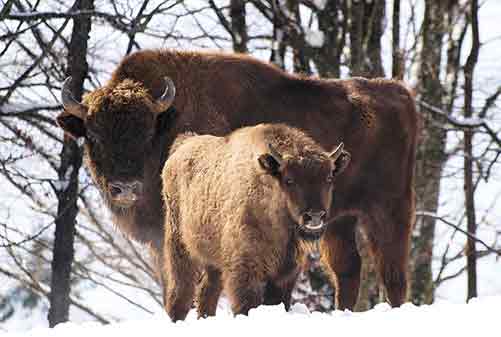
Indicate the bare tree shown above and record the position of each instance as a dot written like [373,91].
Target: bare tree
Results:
[71,160]
[397,57]
[469,191]
[238,25]
[431,152]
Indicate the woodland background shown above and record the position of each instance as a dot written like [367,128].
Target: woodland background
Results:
[60,257]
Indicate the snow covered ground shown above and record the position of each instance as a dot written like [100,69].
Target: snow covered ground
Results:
[480,317]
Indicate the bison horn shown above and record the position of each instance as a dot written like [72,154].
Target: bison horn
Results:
[167,98]
[275,154]
[70,104]
[337,152]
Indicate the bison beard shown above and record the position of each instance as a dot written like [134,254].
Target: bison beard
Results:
[218,93]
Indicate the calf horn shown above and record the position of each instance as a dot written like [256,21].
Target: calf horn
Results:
[167,98]
[337,152]
[70,104]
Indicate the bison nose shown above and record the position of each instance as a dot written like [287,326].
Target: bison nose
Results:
[125,191]
[314,220]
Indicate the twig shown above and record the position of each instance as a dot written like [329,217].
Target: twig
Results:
[468,234]
[467,124]
[36,286]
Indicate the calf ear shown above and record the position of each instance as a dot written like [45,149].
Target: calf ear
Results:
[341,162]
[71,124]
[269,164]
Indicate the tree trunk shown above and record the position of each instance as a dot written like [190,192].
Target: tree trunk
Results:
[366,30]
[71,160]
[328,57]
[239,25]
[468,155]
[454,47]
[397,66]
[278,43]
[431,152]
[300,61]
[356,37]
[373,30]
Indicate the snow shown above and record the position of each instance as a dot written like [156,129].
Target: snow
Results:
[478,317]
[457,120]
[13,108]
[285,10]
[320,4]
[238,38]
[276,46]
[62,184]
[314,38]
[468,121]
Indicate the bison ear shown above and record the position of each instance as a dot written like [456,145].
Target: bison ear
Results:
[341,162]
[71,124]
[269,164]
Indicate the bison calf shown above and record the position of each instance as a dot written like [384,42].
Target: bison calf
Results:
[238,209]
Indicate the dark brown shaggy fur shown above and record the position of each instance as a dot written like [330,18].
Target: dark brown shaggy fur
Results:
[231,215]
[218,93]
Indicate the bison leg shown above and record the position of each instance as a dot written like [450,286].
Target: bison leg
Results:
[340,255]
[179,280]
[389,242]
[208,292]
[391,261]
[244,287]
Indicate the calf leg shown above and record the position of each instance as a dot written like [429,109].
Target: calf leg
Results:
[280,292]
[208,292]
[245,287]
[286,292]
[179,274]
[339,254]
[272,294]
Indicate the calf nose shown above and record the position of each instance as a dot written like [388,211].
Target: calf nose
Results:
[127,191]
[314,219]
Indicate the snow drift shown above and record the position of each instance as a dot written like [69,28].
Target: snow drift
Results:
[480,317]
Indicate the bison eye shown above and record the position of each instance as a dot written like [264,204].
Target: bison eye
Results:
[330,179]
[289,181]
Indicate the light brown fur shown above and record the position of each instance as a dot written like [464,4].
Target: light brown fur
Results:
[229,217]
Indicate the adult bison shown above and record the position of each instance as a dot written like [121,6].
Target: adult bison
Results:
[128,126]
[243,208]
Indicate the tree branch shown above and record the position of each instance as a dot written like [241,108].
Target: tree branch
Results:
[469,123]
[468,234]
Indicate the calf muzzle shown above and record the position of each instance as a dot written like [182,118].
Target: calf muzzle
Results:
[313,224]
